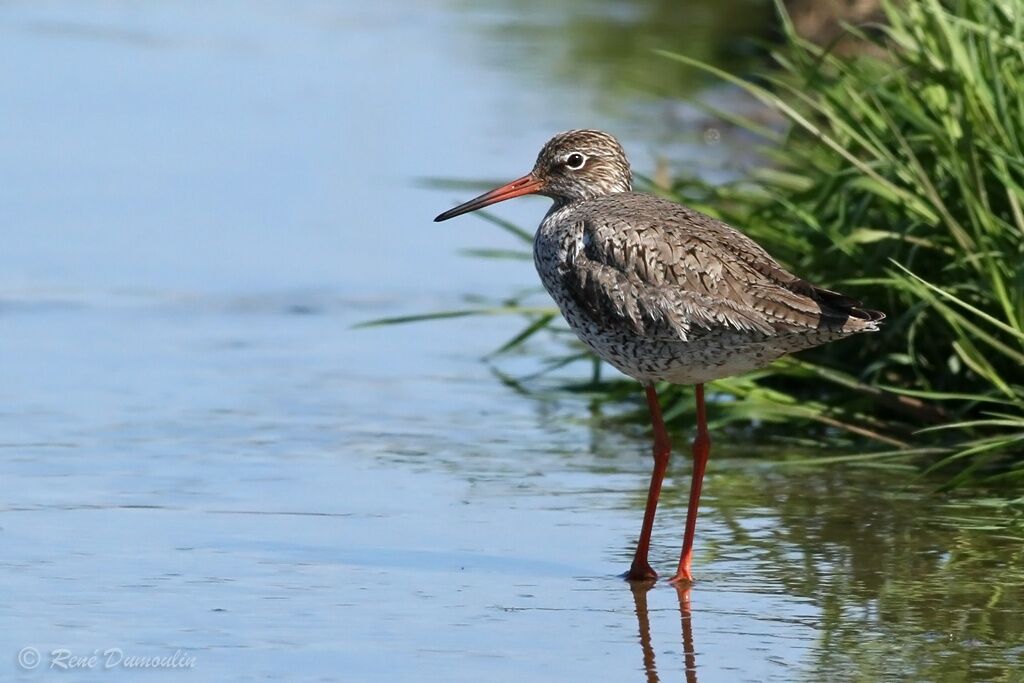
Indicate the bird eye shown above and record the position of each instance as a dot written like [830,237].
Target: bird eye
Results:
[575,161]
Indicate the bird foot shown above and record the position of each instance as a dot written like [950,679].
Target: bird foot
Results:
[682,578]
[640,572]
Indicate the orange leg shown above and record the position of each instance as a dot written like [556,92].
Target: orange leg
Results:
[701,450]
[641,569]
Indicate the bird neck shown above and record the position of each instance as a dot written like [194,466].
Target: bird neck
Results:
[590,193]
[563,202]
[558,216]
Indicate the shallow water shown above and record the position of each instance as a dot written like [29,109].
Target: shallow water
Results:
[200,454]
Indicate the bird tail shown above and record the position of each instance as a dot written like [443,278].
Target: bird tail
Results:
[836,306]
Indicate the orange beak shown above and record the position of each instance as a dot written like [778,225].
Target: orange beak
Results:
[517,188]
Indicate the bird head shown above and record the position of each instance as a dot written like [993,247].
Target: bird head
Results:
[572,166]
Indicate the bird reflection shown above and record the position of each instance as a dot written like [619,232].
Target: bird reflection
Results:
[643,619]
[686,617]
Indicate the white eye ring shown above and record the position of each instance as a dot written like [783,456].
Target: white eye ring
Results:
[575,161]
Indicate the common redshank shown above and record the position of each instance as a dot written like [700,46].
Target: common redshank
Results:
[664,293]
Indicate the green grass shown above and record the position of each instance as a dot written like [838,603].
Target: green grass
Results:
[899,178]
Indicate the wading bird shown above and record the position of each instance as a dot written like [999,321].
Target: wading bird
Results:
[664,293]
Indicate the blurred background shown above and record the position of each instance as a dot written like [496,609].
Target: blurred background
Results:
[271,146]
[199,200]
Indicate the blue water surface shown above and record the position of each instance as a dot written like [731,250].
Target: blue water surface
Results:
[200,454]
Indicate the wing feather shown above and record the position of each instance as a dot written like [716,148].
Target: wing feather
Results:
[663,271]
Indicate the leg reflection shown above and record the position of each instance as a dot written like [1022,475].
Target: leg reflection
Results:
[686,616]
[643,621]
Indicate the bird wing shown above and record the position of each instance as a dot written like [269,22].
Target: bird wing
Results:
[662,270]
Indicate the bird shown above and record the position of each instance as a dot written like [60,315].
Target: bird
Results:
[664,293]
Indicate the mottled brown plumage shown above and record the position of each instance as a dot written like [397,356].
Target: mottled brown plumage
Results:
[663,292]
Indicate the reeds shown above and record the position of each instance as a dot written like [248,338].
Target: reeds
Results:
[899,178]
